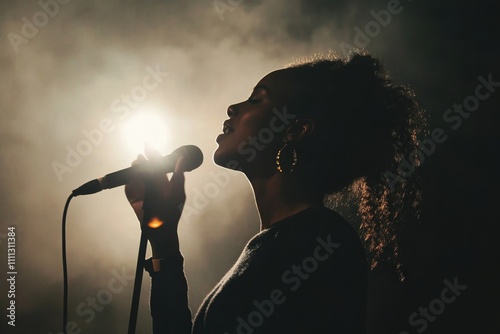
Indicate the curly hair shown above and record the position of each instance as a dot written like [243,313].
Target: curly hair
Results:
[364,127]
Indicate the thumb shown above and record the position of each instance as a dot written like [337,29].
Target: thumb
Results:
[177,181]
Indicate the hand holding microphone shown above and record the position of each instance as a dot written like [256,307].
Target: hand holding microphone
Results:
[157,201]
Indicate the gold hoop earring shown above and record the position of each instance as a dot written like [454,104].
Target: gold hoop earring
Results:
[293,160]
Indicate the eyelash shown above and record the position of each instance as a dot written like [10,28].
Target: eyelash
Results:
[253,101]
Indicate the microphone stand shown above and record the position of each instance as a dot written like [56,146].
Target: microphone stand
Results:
[147,216]
[137,284]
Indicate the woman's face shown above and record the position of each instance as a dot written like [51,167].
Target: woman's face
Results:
[254,132]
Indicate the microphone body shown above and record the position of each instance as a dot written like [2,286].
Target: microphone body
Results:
[193,157]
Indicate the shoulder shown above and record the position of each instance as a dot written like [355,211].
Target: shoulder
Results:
[313,223]
[316,232]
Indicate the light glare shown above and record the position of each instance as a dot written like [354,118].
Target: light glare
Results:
[155,223]
[145,128]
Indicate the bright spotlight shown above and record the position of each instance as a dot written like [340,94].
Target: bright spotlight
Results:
[145,128]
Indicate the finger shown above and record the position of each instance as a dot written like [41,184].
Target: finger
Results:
[152,193]
[140,158]
[137,207]
[151,153]
[134,189]
[157,176]
[136,175]
[177,187]
[156,186]
[154,167]
[177,180]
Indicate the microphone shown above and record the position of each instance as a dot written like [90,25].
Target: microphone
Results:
[192,160]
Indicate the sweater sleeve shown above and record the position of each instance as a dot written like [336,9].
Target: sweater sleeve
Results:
[169,298]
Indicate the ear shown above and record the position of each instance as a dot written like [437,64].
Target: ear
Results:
[299,130]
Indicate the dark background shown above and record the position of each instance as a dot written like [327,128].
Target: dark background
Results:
[65,79]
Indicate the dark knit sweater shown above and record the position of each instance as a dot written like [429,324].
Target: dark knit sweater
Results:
[304,274]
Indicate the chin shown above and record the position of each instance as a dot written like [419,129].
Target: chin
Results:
[225,160]
[219,157]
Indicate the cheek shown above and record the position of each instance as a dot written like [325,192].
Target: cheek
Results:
[259,126]
[261,138]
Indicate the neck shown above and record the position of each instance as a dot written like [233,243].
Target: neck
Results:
[279,197]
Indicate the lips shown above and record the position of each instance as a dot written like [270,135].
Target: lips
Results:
[226,128]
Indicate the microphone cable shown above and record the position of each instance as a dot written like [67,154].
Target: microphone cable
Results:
[65,265]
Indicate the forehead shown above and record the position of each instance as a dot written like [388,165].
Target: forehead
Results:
[281,85]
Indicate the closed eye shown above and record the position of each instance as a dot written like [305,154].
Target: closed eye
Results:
[253,101]
[257,92]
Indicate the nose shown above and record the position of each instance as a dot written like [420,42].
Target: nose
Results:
[232,111]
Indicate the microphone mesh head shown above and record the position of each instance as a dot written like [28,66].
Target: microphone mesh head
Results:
[193,157]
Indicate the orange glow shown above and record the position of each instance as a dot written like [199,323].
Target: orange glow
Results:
[155,223]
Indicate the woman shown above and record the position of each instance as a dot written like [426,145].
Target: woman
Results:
[327,126]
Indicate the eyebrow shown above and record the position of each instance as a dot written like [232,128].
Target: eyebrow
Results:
[261,87]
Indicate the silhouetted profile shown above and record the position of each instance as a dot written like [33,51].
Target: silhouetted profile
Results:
[316,128]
